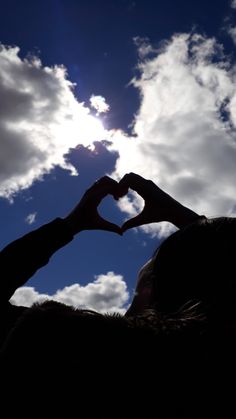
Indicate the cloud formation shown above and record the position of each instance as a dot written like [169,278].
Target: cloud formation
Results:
[184,131]
[40,120]
[107,293]
[30,219]
[99,103]
[233,4]
[232,33]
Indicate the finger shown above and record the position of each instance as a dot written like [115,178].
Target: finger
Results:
[133,181]
[120,192]
[104,182]
[133,222]
[107,226]
[103,187]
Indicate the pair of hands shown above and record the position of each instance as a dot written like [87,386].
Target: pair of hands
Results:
[158,205]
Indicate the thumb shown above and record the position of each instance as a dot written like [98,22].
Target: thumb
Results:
[133,222]
[107,226]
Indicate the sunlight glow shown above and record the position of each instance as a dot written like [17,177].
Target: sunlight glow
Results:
[99,103]
[80,127]
[37,136]
[92,129]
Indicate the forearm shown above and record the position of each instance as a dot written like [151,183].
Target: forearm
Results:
[182,216]
[23,257]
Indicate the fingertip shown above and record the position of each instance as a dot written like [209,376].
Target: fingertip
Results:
[116,229]
[124,228]
[121,191]
[116,197]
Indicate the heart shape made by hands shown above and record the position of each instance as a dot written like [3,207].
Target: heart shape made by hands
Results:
[120,191]
[158,205]
[111,209]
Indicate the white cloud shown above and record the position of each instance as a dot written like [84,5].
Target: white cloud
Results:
[232,33]
[40,120]
[233,4]
[26,296]
[30,219]
[184,131]
[144,46]
[99,103]
[107,293]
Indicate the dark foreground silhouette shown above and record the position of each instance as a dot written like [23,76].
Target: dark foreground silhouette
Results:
[171,355]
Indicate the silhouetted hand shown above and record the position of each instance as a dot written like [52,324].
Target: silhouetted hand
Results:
[158,205]
[85,215]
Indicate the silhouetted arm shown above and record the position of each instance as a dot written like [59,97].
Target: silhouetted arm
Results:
[22,258]
[158,205]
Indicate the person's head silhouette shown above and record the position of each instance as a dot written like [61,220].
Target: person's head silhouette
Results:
[195,264]
[183,307]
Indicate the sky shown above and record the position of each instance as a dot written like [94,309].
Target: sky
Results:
[93,88]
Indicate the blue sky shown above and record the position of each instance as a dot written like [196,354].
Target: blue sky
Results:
[90,88]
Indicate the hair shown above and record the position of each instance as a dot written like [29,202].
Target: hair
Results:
[159,363]
[197,264]
[54,329]
[145,365]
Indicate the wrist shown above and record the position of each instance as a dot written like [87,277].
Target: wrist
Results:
[73,226]
[183,216]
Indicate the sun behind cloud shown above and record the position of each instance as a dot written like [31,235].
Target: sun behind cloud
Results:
[40,120]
